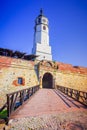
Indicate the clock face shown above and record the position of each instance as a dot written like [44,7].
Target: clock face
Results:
[44,20]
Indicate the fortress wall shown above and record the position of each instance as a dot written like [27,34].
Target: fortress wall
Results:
[10,70]
[72,80]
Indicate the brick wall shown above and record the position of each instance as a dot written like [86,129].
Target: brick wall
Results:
[72,76]
[10,70]
[72,80]
[66,75]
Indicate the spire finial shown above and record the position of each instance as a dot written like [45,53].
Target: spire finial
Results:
[41,11]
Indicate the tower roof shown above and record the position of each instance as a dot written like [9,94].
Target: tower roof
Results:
[41,13]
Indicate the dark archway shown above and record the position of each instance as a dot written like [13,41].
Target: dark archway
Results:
[47,81]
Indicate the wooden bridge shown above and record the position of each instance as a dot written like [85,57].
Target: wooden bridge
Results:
[44,101]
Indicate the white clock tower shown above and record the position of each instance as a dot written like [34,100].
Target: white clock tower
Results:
[41,46]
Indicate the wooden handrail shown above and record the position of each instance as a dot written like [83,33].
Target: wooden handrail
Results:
[75,94]
[16,99]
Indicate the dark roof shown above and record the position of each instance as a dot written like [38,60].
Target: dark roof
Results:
[41,13]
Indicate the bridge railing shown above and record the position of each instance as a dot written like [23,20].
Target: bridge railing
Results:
[76,94]
[16,99]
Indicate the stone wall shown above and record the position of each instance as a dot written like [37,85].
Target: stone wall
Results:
[10,70]
[72,80]
[66,75]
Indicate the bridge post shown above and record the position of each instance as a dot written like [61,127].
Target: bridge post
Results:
[8,106]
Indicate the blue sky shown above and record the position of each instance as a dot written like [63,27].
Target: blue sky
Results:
[67,26]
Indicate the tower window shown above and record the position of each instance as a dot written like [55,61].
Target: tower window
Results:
[39,20]
[20,80]
[44,27]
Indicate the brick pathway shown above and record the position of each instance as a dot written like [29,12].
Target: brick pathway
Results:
[47,101]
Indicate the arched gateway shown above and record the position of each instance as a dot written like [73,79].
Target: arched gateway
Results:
[47,74]
[47,81]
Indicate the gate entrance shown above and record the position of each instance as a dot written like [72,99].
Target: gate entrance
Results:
[47,81]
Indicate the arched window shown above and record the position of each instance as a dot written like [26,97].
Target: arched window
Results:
[44,27]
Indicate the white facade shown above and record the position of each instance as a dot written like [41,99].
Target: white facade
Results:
[41,46]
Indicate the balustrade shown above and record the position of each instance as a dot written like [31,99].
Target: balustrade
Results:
[17,99]
[76,94]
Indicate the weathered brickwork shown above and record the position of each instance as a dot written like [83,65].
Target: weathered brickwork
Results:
[65,75]
[72,80]
[13,70]
[72,76]
[10,70]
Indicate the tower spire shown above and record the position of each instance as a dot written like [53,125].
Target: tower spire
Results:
[41,11]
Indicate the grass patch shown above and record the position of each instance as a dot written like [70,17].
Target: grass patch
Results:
[3,114]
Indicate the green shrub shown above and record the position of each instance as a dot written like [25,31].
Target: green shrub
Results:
[3,114]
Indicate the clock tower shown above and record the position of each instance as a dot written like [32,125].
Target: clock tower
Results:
[41,46]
